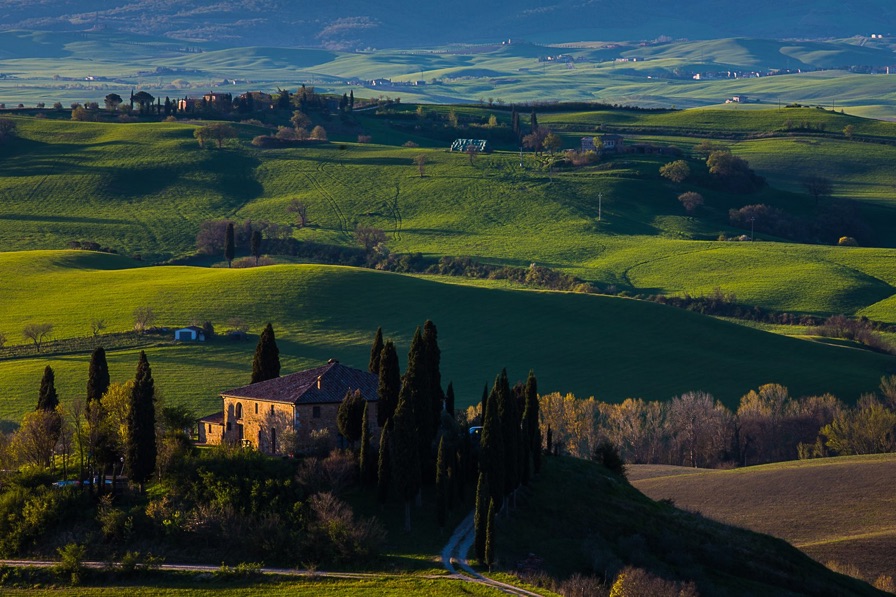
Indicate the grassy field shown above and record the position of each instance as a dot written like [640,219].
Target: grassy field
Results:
[196,584]
[589,345]
[834,509]
[73,181]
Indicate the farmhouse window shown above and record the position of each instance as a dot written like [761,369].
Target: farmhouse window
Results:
[272,409]
[256,408]
[239,410]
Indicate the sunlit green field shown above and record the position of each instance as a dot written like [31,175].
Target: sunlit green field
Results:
[589,345]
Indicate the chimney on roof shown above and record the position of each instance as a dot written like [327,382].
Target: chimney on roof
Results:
[332,361]
[318,381]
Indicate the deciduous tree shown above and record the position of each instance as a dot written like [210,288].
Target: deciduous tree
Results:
[37,333]
[143,318]
[691,201]
[676,171]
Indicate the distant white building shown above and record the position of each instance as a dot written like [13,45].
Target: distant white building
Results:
[190,334]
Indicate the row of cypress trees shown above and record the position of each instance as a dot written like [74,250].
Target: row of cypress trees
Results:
[509,453]
[140,448]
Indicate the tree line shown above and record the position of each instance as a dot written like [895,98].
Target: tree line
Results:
[695,429]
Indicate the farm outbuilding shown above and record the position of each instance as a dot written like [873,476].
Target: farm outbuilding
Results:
[464,145]
[190,334]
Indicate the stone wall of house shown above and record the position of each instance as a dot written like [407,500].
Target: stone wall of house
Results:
[314,425]
[211,433]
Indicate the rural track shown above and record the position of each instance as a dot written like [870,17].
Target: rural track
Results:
[455,552]
[343,221]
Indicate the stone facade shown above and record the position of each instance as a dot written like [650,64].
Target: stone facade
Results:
[297,411]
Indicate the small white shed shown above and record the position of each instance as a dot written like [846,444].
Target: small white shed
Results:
[190,334]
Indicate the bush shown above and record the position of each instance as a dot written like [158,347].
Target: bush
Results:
[365,139]
[71,562]
[847,241]
[334,535]
[607,454]
[243,570]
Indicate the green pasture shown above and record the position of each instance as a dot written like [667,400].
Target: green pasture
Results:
[144,189]
[608,347]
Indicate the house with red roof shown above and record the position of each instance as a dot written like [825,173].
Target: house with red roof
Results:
[279,414]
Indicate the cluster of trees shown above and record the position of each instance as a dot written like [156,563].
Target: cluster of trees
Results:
[833,220]
[696,430]
[111,430]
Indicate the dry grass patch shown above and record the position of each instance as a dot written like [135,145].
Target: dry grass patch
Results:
[836,509]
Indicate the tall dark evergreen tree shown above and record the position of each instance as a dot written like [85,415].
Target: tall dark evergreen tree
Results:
[140,451]
[484,401]
[449,400]
[531,436]
[366,465]
[490,535]
[266,362]
[351,99]
[491,445]
[350,415]
[515,122]
[480,516]
[509,414]
[390,384]
[533,122]
[432,357]
[97,375]
[229,244]
[256,245]
[405,456]
[442,485]
[376,352]
[384,463]
[414,389]
[47,398]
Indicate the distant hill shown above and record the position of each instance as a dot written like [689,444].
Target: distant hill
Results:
[850,499]
[397,23]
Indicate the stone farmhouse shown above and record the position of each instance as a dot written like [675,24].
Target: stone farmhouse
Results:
[289,409]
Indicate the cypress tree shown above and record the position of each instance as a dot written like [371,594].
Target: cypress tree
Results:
[449,400]
[442,488]
[533,122]
[229,247]
[480,517]
[256,245]
[350,416]
[376,352]
[509,421]
[491,445]
[47,398]
[432,376]
[405,456]
[537,452]
[414,391]
[365,458]
[531,436]
[97,375]
[266,362]
[490,536]
[515,121]
[390,384]
[351,99]
[384,463]
[140,452]
[484,401]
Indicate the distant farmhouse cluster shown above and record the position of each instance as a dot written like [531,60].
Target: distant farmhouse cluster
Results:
[612,143]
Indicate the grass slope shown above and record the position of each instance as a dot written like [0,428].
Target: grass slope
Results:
[834,509]
[578,517]
[145,189]
[589,345]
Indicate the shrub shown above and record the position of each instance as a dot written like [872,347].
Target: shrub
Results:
[847,241]
[635,582]
[71,562]
[406,144]
[607,454]
[335,535]
[365,139]
[243,570]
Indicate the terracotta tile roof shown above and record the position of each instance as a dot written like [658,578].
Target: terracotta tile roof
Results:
[217,418]
[303,387]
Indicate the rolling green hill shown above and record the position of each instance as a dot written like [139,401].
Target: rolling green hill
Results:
[850,498]
[145,188]
[589,345]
